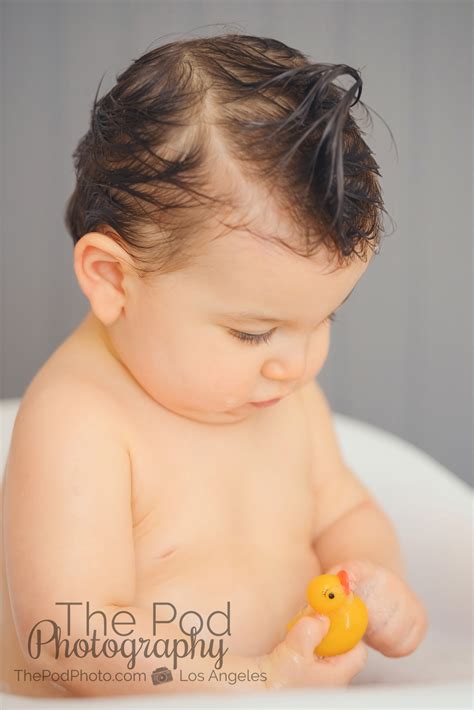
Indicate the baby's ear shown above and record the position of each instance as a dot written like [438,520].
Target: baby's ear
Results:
[101,266]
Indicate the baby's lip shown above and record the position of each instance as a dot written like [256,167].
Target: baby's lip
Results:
[265,403]
[273,399]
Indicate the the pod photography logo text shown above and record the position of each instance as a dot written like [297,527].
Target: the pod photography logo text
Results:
[81,633]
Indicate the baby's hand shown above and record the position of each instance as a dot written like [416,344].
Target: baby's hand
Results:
[397,618]
[292,664]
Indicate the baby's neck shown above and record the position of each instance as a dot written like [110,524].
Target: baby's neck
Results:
[92,327]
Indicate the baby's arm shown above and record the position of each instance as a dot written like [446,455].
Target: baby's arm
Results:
[364,531]
[352,532]
[363,542]
[339,497]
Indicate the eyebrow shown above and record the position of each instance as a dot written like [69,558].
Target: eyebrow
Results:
[247,315]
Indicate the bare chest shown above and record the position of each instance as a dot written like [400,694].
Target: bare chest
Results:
[225,516]
[196,486]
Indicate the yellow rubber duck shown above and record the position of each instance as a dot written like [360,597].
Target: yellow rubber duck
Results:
[330,594]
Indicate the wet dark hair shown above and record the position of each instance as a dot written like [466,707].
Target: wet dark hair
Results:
[145,166]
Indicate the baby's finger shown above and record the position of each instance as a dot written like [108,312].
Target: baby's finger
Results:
[307,633]
[345,665]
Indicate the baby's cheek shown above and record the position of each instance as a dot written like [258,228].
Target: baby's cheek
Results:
[230,402]
[232,384]
[319,351]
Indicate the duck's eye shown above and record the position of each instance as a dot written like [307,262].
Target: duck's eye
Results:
[331,595]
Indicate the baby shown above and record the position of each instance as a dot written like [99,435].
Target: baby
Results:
[174,479]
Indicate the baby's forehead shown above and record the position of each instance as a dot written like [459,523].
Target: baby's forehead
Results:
[243,274]
[255,229]
[266,257]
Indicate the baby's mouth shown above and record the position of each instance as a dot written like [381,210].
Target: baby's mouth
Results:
[267,403]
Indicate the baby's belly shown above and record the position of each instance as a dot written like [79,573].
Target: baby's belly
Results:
[256,585]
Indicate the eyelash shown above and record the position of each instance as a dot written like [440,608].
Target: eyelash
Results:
[253,338]
[257,338]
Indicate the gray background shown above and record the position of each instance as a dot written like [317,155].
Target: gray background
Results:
[401,352]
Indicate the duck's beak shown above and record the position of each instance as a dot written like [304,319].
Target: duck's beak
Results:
[344,579]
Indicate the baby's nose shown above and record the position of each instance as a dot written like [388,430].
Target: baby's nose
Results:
[285,370]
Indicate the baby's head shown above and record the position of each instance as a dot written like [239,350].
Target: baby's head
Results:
[225,207]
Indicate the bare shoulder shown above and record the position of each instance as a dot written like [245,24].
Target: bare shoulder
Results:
[63,404]
[79,381]
[64,417]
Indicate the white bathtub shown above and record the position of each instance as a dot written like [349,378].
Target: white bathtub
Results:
[432,510]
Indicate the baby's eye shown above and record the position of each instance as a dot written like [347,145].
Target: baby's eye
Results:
[254,338]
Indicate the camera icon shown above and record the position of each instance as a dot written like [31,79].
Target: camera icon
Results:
[161,675]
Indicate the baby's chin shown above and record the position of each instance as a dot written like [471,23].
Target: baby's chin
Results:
[229,415]
[233,417]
